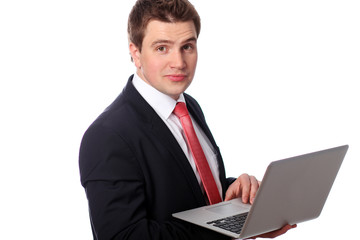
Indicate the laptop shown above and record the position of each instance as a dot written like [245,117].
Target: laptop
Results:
[293,190]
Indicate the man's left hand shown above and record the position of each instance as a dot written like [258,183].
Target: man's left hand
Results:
[276,233]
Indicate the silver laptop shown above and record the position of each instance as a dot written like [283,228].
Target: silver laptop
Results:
[293,190]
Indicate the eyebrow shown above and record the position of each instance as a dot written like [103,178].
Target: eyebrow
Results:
[161,41]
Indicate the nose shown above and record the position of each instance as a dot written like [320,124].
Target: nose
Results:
[177,60]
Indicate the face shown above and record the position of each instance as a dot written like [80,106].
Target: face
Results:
[168,57]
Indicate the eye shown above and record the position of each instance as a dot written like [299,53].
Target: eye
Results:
[188,47]
[161,49]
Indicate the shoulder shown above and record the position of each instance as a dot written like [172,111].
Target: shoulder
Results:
[192,103]
[128,109]
[194,107]
[110,133]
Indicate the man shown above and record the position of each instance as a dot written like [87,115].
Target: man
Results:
[136,163]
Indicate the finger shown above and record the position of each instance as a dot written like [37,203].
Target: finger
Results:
[279,232]
[254,188]
[283,230]
[245,187]
[230,194]
[275,233]
[233,191]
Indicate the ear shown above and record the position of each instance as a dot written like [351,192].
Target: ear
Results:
[135,54]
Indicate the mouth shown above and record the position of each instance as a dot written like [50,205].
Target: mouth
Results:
[176,77]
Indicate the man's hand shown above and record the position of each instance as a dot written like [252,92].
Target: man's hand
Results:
[276,233]
[245,187]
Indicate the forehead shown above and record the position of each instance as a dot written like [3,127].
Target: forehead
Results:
[175,32]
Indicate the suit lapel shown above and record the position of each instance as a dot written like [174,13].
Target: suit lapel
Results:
[161,132]
[198,116]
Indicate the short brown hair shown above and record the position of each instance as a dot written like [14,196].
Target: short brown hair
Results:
[163,10]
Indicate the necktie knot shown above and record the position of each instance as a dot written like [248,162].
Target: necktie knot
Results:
[180,110]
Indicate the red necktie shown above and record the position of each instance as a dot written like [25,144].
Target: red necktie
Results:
[202,164]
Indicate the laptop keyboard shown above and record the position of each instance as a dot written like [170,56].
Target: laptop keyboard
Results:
[233,224]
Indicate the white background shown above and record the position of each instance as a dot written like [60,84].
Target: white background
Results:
[274,78]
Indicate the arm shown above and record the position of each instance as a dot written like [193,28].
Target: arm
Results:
[116,190]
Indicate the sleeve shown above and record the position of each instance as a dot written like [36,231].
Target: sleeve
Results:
[229,181]
[115,189]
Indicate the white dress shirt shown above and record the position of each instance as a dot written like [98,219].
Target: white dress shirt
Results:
[164,106]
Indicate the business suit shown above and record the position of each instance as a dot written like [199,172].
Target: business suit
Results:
[136,175]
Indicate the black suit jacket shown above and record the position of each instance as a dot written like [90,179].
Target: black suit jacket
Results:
[136,175]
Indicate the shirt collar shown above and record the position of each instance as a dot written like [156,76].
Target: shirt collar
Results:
[160,102]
